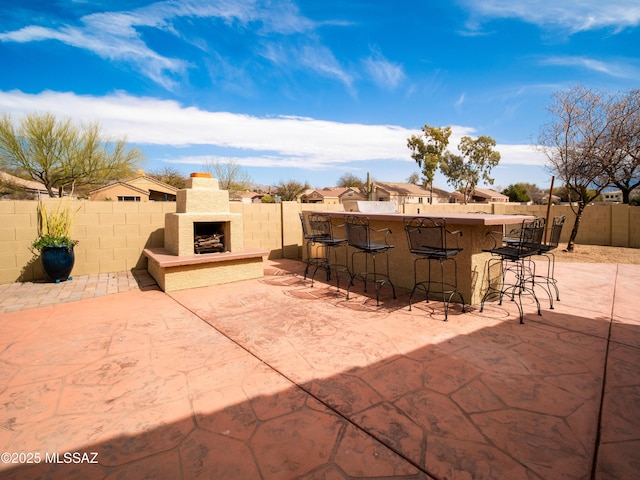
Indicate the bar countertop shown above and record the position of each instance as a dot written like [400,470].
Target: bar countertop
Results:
[449,218]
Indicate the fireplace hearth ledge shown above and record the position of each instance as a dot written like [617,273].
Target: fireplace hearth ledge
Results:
[173,272]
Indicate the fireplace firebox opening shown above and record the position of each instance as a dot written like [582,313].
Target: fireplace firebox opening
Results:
[208,237]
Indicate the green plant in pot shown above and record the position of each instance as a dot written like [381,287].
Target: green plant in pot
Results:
[54,241]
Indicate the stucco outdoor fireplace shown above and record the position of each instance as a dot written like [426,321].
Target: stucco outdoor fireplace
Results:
[203,241]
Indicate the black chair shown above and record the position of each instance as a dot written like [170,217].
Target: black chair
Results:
[322,234]
[431,241]
[546,250]
[310,241]
[359,233]
[518,271]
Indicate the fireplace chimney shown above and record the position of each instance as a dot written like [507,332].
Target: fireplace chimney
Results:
[199,203]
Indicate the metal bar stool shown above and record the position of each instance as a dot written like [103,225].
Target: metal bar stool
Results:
[546,250]
[310,241]
[427,239]
[359,233]
[322,233]
[514,259]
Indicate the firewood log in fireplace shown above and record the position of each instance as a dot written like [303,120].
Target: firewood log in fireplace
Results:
[208,243]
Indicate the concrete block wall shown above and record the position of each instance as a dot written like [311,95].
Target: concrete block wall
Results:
[620,225]
[113,234]
[275,227]
[634,227]
[262,226]
[292,226]
[615,225]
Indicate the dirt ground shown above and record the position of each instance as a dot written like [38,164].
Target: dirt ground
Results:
[598,254]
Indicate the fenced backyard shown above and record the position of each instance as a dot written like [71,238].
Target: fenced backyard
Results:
[113,235]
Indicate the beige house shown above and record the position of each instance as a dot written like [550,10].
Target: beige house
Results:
[613,196]
[247,197]
[332,196]
[403,193]
[138,189]
[485,195]
[481,195]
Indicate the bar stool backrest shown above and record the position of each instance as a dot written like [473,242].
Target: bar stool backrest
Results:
[531,237]
[426,234]
[556,230]
[305,232]
[320,226]
[358,232]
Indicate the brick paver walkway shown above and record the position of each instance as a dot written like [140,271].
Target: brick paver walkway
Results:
[22,296]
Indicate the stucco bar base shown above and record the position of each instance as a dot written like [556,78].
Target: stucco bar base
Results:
[173,273]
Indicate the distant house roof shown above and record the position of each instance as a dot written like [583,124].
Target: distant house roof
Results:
[482,195]
[329,192]
[29,185]
[410,189]
[143,181]
[332,191]
[252,195]
[140,182]
[110,185]
[248,197]
[140,185]
[490,195]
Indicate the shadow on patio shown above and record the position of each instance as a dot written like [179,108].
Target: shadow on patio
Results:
[273,379]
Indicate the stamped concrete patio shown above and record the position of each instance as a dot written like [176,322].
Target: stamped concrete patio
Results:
[272,379]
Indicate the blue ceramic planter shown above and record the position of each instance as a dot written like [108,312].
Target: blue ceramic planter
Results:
[57,263]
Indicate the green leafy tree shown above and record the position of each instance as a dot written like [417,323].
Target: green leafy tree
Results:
[465,171]
[291,190]
[524,192]
[517,193]
[62,155]
[428,150]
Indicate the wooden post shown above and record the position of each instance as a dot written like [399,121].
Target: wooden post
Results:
[548,209]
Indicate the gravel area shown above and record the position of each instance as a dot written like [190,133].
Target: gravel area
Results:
[597,254]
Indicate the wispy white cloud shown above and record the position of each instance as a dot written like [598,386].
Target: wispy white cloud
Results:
[322,60]
[384,73]
[309,56]
[571,15]
[281,141]
[263,161]
[117,35]
[164,122]
[609,68]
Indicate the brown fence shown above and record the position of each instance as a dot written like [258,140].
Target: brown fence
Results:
[113,234]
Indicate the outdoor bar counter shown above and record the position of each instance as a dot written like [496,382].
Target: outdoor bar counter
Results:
[471,262]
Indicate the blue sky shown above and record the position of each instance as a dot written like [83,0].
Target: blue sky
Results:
[311,90]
